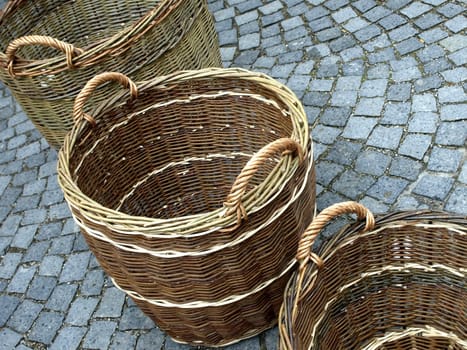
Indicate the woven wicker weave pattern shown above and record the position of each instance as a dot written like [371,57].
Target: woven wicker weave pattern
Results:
[142,39]
[399,285]
[193,196]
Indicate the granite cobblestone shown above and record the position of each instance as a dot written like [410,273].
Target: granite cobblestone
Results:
[384,87]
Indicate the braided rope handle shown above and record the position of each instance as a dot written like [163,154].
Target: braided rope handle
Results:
[91,85]
[68,49]
[281,146]
[304,253]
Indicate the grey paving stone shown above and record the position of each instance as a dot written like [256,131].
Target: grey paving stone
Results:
[450,9]
[454,43]
[392,21]
[325,134]
[415,145]
[59,211]
[316,12]
[348,83]
[41,288]
[387,189]
[290,57]
[249,41]
[272,18]
[305,67]
[224,25]
[428,83]
[372,162]
[62,245]
[81,310]
[34,216]
[428,20]
[353,184]
[227,53]
[396,113]
[367,33]
[93,283]
[28,150]
[80,244]
[327,199]
[328,34]
[248,5]
[283,71]
[318,51]
[111,304]
[359,127]
[463,174]
[343,14]
[227,37]
[224,14]
[355,24]
[312,114]
[351,53]
[433,35]
[455,75]
[298,83]
[423,122]
[154,339]
[335,116]
[457,201]
[68,338]
[51,265]
[344,98]
[424,103]
[4,244]
[75,267]
[452,94]
[321,84]
[364,5]
[16,141]
[70,226]
[415,9]
[453,112]
[401,33]
[20,281]
[298,9]
[459,57]
[134,318]
[380,42]
[335,4]
[24,177]
[370,106]
[385,137]
[246,17]
[49,231]
[34,187]
[8,304]
[377,13]
[24,236]
[36,251]
[46,327]
[99,334]
[399,92]
[314,98]
[374,205]
[8,264]
[445,159]
[271,7]
[327,70]
[436,66]
[408,203]
[10,195]
[373,88]
[51,197]
[406,74]
[434,186]
[123,340]
[9,339]
[318,150]
[451,133]
[24,316]
[326,172]
[405,167]
[61,297]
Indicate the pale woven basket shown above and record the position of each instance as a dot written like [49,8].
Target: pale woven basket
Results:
[50,48]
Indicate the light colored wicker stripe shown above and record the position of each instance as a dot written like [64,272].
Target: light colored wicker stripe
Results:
[427,331]
[202,304]
[177,254]
[409,268]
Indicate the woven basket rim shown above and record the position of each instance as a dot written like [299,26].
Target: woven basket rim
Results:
[89,55]
[212,220]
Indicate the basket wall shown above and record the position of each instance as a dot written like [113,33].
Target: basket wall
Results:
[183,37]
[401,285]
[148,186]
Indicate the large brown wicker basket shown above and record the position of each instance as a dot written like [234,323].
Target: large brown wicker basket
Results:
[193,195]
[141,38]
[397,284]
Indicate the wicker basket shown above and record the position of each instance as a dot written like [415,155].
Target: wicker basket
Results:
[142,39]
[399,283]
[192,196]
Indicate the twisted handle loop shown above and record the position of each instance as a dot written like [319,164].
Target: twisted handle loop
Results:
[69,50]
[281,146]
[304,253]
[91,85]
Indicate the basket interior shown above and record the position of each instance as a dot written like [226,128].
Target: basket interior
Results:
[381,289]
[169,155]
[78,22]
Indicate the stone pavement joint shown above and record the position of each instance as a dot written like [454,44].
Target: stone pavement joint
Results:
[383,84]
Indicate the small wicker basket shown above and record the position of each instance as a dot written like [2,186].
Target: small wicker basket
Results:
[141,38]
[396,284]
[192,196]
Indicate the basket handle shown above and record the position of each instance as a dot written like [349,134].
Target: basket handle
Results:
[304,253]
[91,85]
[68,49]
[233,201]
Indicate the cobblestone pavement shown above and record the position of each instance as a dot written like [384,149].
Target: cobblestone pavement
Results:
[384,85]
